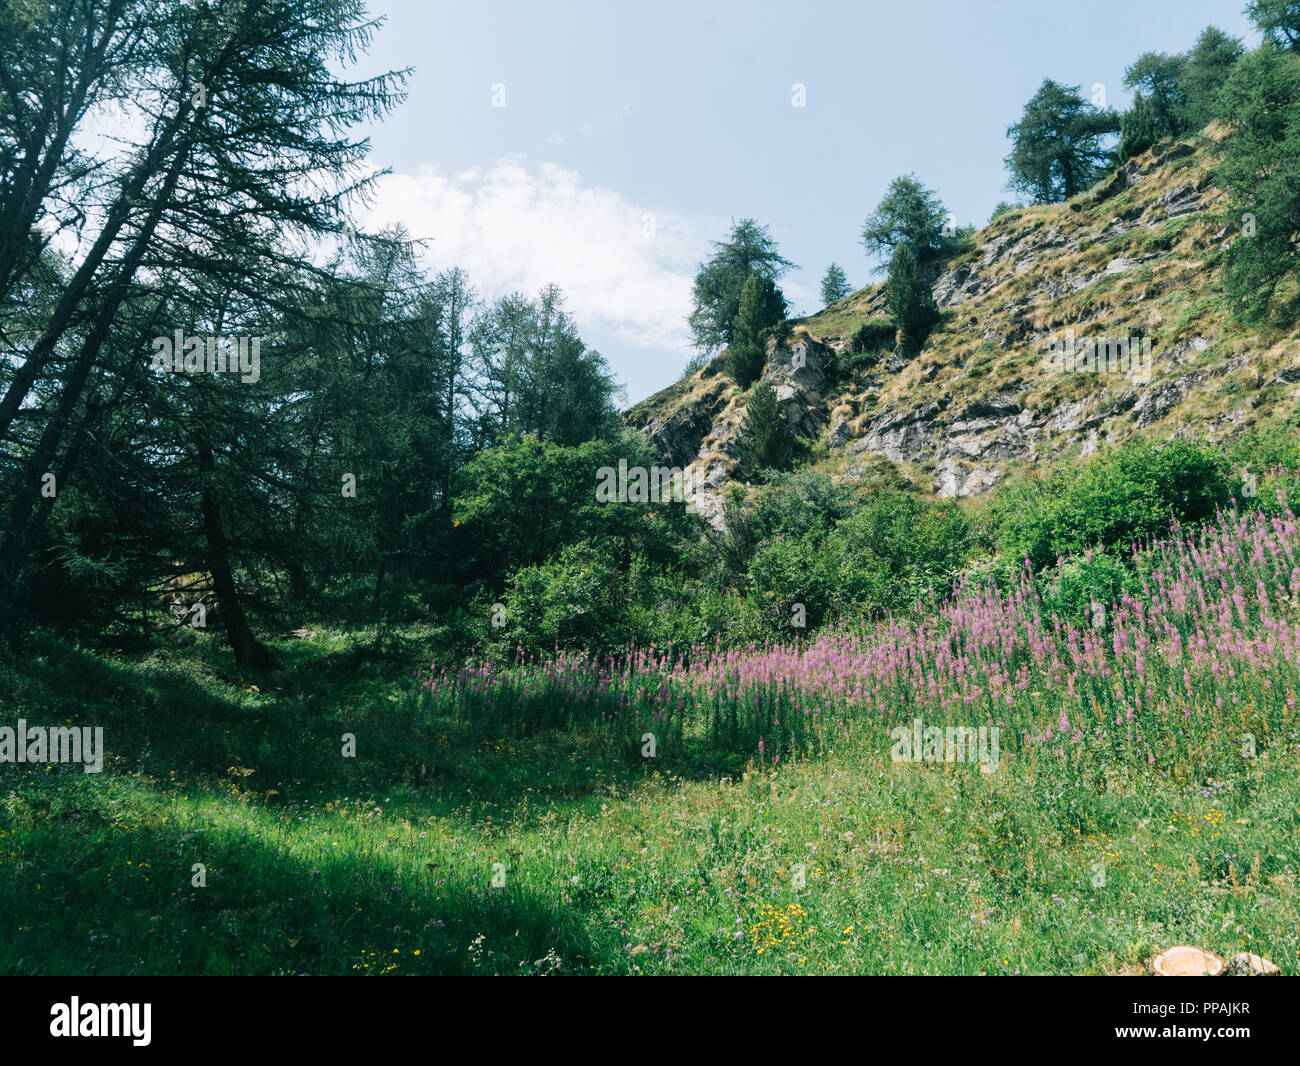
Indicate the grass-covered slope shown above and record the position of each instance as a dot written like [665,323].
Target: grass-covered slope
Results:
[1136,256]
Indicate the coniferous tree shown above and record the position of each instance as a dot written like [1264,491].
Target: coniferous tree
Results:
[499,343]
[909,212]
[761,307]
[60,61]
[236,102]
[1278,21]
[748,249]
[1162,78]
[1259,166]
[1058,147]
[1209,64]
[534,374]
[765,441]
[1176,94]
[1139,128]
[835,284]
[452,304]
[911,301]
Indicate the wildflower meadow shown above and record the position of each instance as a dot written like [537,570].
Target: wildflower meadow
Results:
[703,810]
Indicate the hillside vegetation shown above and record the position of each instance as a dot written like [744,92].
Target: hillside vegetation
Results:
[888,640]
[740,812]
[1136,256]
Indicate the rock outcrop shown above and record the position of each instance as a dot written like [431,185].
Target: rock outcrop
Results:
[1113,279]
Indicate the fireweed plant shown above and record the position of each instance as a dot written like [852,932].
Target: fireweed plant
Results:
[1200,664]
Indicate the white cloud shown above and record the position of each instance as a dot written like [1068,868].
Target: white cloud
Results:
[626,270]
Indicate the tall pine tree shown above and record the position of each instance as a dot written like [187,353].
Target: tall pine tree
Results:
[765,441]
[911,301]
[761,307]
[835,284]
[1059,144]
[748,249]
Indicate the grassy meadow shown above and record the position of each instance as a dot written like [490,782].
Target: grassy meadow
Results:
[507,819]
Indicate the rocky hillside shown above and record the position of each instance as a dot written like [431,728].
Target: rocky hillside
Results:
[1134,257]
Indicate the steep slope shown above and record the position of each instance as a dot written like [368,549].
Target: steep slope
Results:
[1134,257]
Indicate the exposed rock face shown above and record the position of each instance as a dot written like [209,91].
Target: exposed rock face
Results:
[955,478]
[677,437]
[699,432]
[1121,262]
[900,436]
[797,369]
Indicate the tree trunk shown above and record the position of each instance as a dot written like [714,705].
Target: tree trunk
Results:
[248,651]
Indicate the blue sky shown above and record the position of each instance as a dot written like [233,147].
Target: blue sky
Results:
[632,133]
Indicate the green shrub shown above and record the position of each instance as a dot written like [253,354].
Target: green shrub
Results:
[1267,446]
[848,361]
[901,549]
[1129,493]
[874,335]
[1094,577]
[789,571]
[836,562]
[871,339]
[570,600]
[799,502]
[719,616]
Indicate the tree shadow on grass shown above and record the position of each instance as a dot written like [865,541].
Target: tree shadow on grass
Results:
[174,720]
[99,887]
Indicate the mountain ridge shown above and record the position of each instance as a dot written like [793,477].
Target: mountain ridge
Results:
[1135,256]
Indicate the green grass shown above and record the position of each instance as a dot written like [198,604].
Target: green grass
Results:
[841,862]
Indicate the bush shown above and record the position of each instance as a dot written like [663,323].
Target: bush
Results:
[883,557]
[849,361]
[663,607]
[903,550]
[1267,446]
[720,616]
[790,571]
[1135,492]
[1271,456]
[1071,589]
[800,502]
[1127,494]
[572,600]
[874,335]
